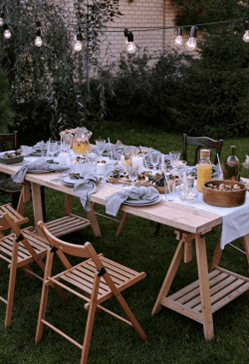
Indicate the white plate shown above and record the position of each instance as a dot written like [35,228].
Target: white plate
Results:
[142,202]
[68,181]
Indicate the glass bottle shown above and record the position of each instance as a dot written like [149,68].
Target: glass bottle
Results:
[231,166]
[204,168]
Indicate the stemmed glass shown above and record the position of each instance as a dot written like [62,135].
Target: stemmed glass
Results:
[154,159]
[66,142]
[100,144]
[132,172]
[53,148]
[174,158]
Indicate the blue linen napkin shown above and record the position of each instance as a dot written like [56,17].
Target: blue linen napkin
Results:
[37,149]
[113,202]
[38,165]
[84,187]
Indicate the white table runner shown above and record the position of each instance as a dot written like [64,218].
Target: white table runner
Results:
[235,219]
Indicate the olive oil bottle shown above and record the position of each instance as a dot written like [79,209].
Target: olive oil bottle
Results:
[232,167]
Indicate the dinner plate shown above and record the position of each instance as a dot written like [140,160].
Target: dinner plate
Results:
[68,181]
[142,202]
[40,171]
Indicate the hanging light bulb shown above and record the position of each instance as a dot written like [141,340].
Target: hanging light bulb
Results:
[131,47]
[191,43]
[1,19]
[126,31]
[246,34]
[38,39]
[179,40]
[6,32]
[78,43]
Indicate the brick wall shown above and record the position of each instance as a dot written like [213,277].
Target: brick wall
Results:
[137,14]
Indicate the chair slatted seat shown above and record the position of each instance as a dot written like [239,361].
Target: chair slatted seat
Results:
[67,224]
[94,280]
[19,249]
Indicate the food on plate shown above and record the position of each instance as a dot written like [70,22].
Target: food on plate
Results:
[14,154]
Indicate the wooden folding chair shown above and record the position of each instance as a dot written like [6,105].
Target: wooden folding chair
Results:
[15,216]
[19,249]
[94,280]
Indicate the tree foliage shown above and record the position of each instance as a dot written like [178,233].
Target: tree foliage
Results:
[45,75]
[215,89]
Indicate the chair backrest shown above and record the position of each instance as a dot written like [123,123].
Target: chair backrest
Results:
[201,142]
[6,138]
[62,246]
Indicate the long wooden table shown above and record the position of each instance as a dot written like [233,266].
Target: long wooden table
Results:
[200,299]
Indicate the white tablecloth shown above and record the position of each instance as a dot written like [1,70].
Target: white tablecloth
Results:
[235,219]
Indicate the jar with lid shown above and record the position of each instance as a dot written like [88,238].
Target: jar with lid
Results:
[232,167]
[204,168]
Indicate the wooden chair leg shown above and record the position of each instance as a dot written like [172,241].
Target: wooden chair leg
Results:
[90,320]
[11,289]
[44,298]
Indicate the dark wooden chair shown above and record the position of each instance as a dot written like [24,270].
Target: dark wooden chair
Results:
[201,142]
[7,186]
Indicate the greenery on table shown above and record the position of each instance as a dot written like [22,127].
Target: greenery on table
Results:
[173,338]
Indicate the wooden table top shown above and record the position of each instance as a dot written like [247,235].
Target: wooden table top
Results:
[189,219]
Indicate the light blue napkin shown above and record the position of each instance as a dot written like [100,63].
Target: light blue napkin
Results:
[113,202]
[39,165]
[37,149]
[84,187]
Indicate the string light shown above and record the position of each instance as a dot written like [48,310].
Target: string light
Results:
[179,40]
[38,39]
[6,32]
[1,19]
[126,31]
[191,43]
[131,47]
[78,43]
[246,34]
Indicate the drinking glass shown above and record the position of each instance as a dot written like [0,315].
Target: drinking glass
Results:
[100,144]
[132,172]
[53,148]
[66,142]
[154,159]
[174,158]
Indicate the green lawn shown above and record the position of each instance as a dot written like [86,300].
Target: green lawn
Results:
[173,338]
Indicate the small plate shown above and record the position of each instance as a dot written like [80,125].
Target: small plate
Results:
[142,202]
[68,181]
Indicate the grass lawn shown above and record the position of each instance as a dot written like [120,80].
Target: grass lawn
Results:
[173,338]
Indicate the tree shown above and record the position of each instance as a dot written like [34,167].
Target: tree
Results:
[214,99]
[47,77]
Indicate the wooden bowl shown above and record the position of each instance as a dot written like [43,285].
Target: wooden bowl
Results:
[224,198]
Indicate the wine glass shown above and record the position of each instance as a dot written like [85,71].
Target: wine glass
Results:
[174,158]
[53,148]
[66,142]
[154,159]
[132,172]
[100,144]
